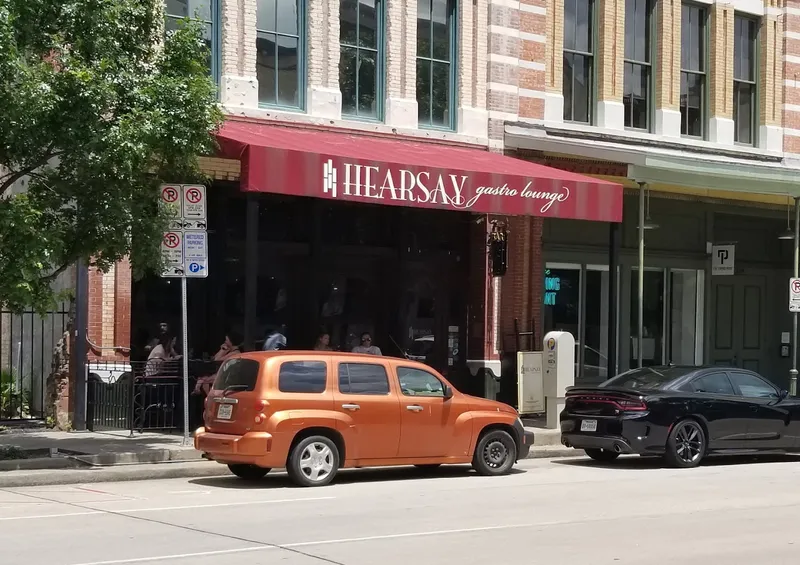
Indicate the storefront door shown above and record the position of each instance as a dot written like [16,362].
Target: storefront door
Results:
[738,336]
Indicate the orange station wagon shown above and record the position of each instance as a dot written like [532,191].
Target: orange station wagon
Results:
[314,412]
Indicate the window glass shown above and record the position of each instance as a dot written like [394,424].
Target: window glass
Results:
[363,378]
[647,378]
[753,387]
[237,375]
[715,383]
[744,80]
[435,68]
[302,376]
[693,70]
[415,382]
[653,319]
[361,44]
[638,70]
[578,75]
[202,10]
[279,53]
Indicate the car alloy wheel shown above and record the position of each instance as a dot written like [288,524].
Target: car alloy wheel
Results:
[316,462]
[689,442]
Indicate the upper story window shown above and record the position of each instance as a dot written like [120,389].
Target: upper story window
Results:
[693,70]
[744,80]
[279,58]
[436,77]
[637,97]
[578,60]
[361,60]
[202,10]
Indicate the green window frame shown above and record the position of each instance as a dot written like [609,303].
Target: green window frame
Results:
[437,32]
[361,61]
[579,70]
[205,11]
[745,80]
[638,60]
[694,70]
[280,33]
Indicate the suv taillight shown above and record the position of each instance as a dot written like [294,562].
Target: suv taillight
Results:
[260,407]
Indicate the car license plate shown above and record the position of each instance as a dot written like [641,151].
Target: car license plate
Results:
[225,411]
[589,425]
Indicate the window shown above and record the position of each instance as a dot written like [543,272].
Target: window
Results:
[279,52]
[578,60]
[237,375]
[361,42]
[435,69]
[204,11]
[752,386]
[715,383]
[647,378]
[303,376]
[693,70]
[638,66]
[744,80]
[363,378]
[416,382]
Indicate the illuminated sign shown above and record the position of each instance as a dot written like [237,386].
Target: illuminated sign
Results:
[551,287]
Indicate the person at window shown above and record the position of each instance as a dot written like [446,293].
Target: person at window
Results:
[230,347]
[366,346]
[276,339]
[162,353]
[323,343]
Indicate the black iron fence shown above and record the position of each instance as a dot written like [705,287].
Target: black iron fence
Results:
[143,396]
[27,342]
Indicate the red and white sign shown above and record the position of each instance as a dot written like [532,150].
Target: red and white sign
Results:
[194,207]
[172,251]
[794,295]
[171,199]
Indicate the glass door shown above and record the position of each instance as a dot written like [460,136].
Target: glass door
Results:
[686,316]
[596,342]
[652,343]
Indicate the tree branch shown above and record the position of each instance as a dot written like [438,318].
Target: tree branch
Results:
[54,275]
[14,177]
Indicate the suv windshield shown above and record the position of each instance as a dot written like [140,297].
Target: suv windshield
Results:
[237,375]
[648,378]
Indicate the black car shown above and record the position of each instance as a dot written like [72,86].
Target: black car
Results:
[681,413]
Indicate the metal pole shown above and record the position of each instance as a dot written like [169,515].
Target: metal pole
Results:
[796,266]
[640,298]
[185,358]
[81,351]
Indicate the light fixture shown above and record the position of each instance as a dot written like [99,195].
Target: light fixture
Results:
[649,224]
[788,234]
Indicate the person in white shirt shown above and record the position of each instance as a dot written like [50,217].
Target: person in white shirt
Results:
[276,339]
[366,346]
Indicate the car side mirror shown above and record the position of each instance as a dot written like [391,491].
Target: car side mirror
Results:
[448,392]
[783,394]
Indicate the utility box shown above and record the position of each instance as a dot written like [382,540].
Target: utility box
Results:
[559,373]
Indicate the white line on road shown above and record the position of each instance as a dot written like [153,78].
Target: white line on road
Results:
[180,556]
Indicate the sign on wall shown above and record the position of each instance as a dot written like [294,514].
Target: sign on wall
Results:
[723,259]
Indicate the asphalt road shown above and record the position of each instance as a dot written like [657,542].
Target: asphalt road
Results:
[560,512]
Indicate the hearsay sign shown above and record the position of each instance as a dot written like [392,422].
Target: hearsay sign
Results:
[409,187]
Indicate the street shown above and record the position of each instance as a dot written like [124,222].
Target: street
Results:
[559,511]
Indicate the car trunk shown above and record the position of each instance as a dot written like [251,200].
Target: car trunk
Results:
[235,404]
[603,401]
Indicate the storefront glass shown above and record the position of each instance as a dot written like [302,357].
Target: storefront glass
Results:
[685,320]
[653,318]
[595,350]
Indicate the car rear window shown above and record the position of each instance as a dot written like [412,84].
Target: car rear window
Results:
[303,376]
[363,378]
[237,375]
[648,378]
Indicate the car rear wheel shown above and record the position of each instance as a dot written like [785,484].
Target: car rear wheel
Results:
[249,472]
[686,444]
[602,455]
[495,454]
[313,462]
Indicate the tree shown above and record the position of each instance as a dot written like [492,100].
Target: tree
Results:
[97,108]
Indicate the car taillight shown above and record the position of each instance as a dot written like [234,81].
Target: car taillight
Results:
[632,405]
[259,407]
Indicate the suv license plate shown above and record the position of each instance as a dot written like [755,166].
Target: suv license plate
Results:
[589,425]
[225,411]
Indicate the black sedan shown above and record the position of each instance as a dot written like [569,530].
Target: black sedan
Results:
[680,413]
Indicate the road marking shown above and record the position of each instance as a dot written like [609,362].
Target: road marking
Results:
[164,508]
[180,556]
[189,492]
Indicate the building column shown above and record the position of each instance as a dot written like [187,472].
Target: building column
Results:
[323,97]
[720,124]
[554,62]
[503,88]
[472,117]
[401,64]
[251,270]
[668,68]
[610,64]
[770,82]
[238,81]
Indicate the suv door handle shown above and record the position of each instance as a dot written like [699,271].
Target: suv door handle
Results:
[415,408]
[351,406]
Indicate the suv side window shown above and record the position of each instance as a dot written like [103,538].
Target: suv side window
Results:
[753,387]
[715,383]
[416,382]
[363,378]
[303,376]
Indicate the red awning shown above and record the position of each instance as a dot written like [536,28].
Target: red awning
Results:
[380,170]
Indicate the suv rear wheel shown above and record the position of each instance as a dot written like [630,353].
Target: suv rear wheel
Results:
[314,462]
[249,472]
[495,454]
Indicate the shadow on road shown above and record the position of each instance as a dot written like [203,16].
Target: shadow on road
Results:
[346,476]
[639,463]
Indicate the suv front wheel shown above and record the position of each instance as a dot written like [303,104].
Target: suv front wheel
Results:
[314,462]
[495,454]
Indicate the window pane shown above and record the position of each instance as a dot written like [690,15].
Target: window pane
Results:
[367,83]
[692,38]
[424,28]
[595,348]
[636,95]
[566,87]
[288,55]
[653,318]
[265,68]
[179,8]
[347,79]
[363,378]
[637,30]
[753,387]
[288,17]
[561,300]
[200,9]
[424,90]
[441,30]
[716,383]
[440,101]
[683,310]
[692,93]
[302,376]
[415,382]
[348,18]
[685,44]
[743,112]
[265,15]
[368,24]
[744,49]
[570,23]
[577,94]
[583,34]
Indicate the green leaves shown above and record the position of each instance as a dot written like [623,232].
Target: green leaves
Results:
[97,109]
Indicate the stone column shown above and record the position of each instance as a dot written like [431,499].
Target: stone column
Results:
[401,64]
[323,97]
[668,68]
[472,117]
[770,82]
[720,124]
[554,62]
[610,64]
[238,81]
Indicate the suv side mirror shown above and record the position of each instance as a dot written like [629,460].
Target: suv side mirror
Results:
[448,392]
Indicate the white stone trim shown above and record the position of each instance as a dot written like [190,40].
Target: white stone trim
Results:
[791,58]
[513,4]
[770,138]
[790,132]
[752,7]
[238,91]
[507,116]
[401,113]
[791,11]
[791,34]
[553,107]
[500,87]
[611,114]
[528,93]
[532,65]
[791,83]
[502,30]
[535,37]
[668,123]
[504,59]
[473,122]
[791,107]
[539,10]
[721,130]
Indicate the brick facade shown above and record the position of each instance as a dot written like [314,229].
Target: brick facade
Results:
[109,330]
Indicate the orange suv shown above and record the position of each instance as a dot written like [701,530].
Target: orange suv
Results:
[314,412]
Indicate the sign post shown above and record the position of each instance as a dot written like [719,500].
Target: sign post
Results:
[185,250]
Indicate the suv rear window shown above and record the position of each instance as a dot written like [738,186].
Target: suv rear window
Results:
[303,376]
[237,375]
